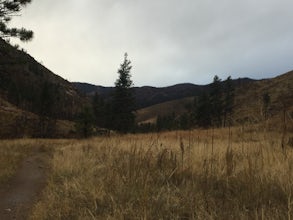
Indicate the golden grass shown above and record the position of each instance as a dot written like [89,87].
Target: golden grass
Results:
[201,174]
[11,153]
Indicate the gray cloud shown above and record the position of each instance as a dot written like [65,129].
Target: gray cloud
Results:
[168,41]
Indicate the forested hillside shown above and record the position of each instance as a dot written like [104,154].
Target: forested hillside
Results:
[33,100]
[30,86]
[146,96]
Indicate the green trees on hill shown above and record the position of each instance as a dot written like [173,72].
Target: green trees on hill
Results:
[215,108]
[203,111]
[8,9]
[46,108]
[85,122]
[212,108]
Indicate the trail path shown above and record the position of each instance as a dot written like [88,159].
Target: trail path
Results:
[23,190]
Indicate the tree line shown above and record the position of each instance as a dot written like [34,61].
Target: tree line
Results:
[212,108]
[117,113]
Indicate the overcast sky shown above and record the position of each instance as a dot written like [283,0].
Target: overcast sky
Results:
[168,41]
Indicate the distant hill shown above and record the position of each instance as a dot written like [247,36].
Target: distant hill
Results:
[150,114]
[147,96]
[249,98]
[248,101]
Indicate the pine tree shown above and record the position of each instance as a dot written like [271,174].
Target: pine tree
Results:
[216,101]
[123,101]
[8,9]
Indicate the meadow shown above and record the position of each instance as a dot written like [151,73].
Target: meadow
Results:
[237,173]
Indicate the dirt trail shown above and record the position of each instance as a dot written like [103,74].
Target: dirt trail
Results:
[23,190]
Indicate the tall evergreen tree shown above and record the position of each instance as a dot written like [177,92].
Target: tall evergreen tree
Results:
[123,100]
[8,9]
[216,101]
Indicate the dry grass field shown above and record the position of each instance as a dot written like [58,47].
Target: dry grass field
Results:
[11,154]
[201,174]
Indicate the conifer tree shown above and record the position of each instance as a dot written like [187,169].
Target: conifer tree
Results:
[216,101]
[123,101]
[8,9]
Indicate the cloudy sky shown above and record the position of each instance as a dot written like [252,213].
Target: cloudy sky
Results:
[168,41]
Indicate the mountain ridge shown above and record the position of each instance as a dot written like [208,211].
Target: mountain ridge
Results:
[247,106]
[146,96]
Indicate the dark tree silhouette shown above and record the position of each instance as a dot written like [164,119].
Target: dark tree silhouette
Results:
[85,122]
[216,101]
[46,109]
[99,109]
[123,102]
[8,9]
[203,111]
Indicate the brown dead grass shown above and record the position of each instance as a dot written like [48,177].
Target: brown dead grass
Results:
[201,174]
[11,153]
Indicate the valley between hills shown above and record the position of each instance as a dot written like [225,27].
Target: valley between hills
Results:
[23,79]
[242,169]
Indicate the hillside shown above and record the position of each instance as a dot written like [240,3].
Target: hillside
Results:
[249,104]
[147,95]
[149,114]
[28,90]
[248,101]
[28,85]
[16,123]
